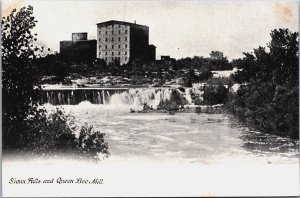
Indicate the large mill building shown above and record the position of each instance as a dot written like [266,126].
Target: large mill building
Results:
[123,41]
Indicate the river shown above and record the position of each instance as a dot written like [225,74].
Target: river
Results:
[157,154]
[183,137]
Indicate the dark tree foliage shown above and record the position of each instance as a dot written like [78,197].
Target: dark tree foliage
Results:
[54,134]
[214,94]
[268,100]
[19,74]
[53,65]
[25,125]
[49,134]
[220,64]
[190,77]
[201,63]
[176,102]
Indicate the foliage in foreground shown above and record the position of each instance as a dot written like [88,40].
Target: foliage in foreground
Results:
[25,126]
[18,74]
[268,100]
[56,133]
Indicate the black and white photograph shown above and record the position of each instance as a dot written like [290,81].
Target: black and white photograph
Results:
[149,98]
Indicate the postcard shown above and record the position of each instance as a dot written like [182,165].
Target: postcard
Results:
[150,98]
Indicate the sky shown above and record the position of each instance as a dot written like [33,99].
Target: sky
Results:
[176,28]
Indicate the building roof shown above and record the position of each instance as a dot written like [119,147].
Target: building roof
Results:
[106,23]
[79,32]
[78,41]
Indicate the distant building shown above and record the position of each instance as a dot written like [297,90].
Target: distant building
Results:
[152,52]
[79,49]
[167,59]
[123,41]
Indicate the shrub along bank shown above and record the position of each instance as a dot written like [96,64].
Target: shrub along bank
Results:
[268,100]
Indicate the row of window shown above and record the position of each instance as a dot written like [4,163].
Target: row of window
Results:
[112,39]
[116,58]
[113,32]
[113,47]
[115,25]
[112,53]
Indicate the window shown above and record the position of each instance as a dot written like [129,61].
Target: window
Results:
[105,59]
[112,46]
[99,39]
[99,53]
[105,32]
[125,31]
[125,45]
[99,32]
[125,58]
[112,39]
[119,46]
[125,38]
[112,31]
[105,46]
[119,53]
[105,53]
[119,25]
[125,52]
[112,53]
[99,46]
[105,39]
[119,38]
[119,31]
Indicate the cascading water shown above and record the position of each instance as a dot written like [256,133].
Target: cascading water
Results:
[133,98]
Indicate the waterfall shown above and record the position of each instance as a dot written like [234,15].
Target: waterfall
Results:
[135,98]
[132,98]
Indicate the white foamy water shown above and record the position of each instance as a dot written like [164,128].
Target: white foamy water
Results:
[167,155]
[134,98]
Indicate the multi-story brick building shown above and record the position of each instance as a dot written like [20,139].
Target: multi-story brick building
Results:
[79,49]
[123,41]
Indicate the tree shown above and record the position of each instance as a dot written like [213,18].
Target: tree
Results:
[269,99]
[279,64]
[214,94]
[26,126]
[284,49]
[19,74]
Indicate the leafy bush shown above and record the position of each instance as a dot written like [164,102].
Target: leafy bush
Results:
[269,99]
[49,134]
[147,107]
[198,101]
[91,142]
[56,133]
[176,102]
[168,105]
[214,94]
[177,98]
